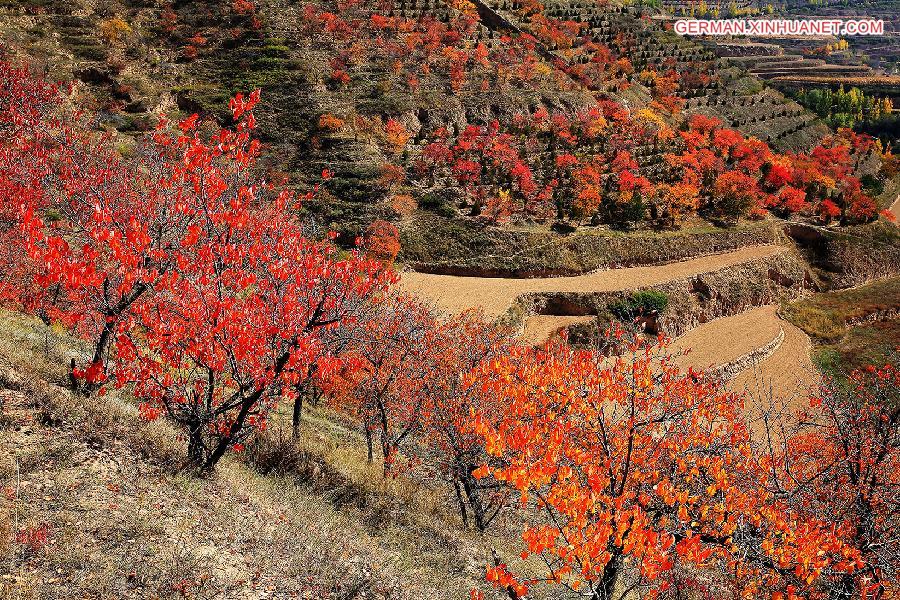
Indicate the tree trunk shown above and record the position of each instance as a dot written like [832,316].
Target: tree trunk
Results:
[606,587]
[386,451]
[371,456]
[89,387]
[225,442]
[112,317]
[73,381]
[462,504]
[195,444]
[510,590]
[298,411]
[471,488]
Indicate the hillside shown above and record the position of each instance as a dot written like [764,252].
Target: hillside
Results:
[413,299]
[122,520]
[195,56]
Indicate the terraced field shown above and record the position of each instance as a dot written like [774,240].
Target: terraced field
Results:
[715,344]
[783,368]
[767,66]
[787,374]
[496,295]
[757,350]
[723,341]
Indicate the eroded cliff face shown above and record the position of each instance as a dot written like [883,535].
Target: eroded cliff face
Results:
[446,246]
[850,256]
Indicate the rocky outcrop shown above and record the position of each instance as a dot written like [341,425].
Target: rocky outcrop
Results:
[849,256]
[879,315]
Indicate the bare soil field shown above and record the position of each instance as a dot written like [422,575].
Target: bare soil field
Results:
[725,340]
[787,374]
[495,295]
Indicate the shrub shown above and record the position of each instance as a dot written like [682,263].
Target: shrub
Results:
[643,302]
[329,122]
[278,453]
[113,30]
[34,538]
[872,184]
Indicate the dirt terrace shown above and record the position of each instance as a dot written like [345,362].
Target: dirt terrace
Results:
[495,295]
[788,373]
[895,209]
[725,340]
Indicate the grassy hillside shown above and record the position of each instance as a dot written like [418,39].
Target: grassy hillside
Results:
[851,328]
[112,515]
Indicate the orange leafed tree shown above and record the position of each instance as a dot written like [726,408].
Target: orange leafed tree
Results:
[463,343]
[329,122]
[382,241]
[396,135]
[629,470]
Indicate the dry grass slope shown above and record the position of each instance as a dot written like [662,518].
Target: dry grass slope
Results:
[124,522]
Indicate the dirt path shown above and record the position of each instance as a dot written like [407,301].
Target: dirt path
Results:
[495,295]
[724,340]
[895,209]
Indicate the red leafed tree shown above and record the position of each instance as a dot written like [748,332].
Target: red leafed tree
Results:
[842,464]
[733,194]
[384,373]
[91,233]
[241,312]
[630,470]
[828,210]
[791,200]
[188,262]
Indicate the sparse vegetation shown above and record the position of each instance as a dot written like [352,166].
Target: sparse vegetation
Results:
[640,303]
[852,328]
[826,316]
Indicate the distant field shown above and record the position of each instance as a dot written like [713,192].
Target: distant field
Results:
[879,80]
